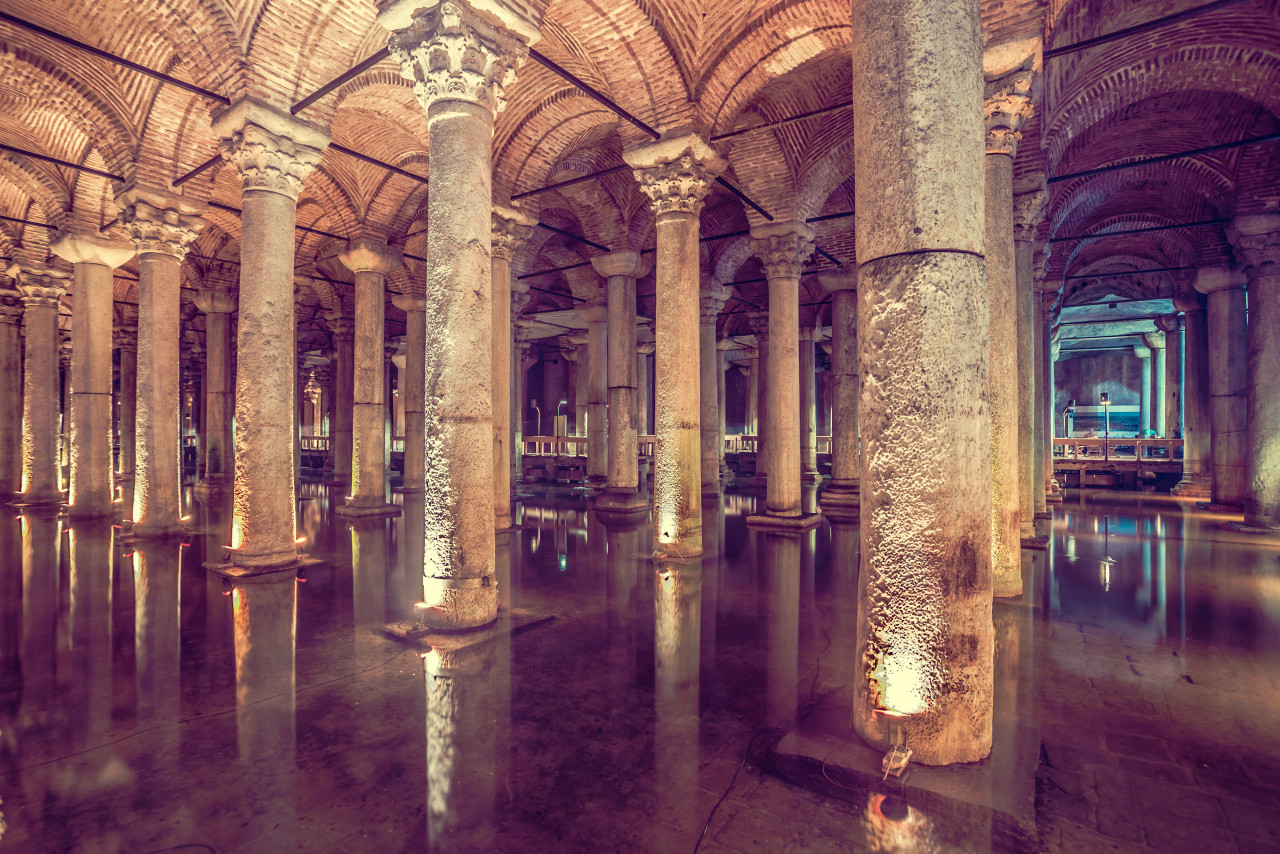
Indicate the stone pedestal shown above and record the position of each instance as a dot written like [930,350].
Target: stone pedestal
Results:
[1228,350]
[274,153]
[622,493]
[711,303]
[675,173]
[41,293]
[510,228]
[460,61]
[10,396]
[219,453]
[925,645]
[92,312]
[840,500]
[370,260]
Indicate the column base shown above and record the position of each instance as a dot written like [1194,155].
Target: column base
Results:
[714,492]
[1246,528]
[212,489]
[811,476]
[95,513]
[465,605]
[234,571]
[840,501]
[23,499]
[331,479]
[1213,507]
[1039,544]
[768,521]
[368,511]
[155,530]
[408,490]
[1193,486]
[1056,498]
[621,500]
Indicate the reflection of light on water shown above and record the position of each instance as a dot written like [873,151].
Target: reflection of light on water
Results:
[1071,546]
[564,563]
[1104,574]
[893,825]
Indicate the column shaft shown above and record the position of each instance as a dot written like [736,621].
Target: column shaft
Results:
[39,385]
[782,493]
[1145,396]
[369,407]
[623,469]
[91,491]
[808,409]
[1027,469]
[10,397]
[1042,428]
[1228,393]
[413,390]
[1257,243]
[843,488]
[157,504]
[219,460]
[1159,397]
[708,389]
[1197,431]
[596,371]
[762,404]
[128,405]
[340,438]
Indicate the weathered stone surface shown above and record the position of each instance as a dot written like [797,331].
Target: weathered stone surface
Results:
[41,292]
[1228,351]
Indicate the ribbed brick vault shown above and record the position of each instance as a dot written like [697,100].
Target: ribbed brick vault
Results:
[718,65]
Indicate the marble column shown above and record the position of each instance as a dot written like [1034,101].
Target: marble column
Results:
[10,396]
[510,228]
[840,499]
[162,225]
[759,321]
[1171,328]
[412,388]
[1257,243]
[460,61]
[1197,430]
[274,153]
[711,304]
[1228,349]
[593,365]
[644,353]
[1155,342]
[676,173]
[41,294]
[750,372]
[1144,392]
[782,248]
[342,330]
[1028,210]
[620,271]
[1007,106]
[126,341]
[722,368]
[92,311]
[524,360]
[575,353]
[218,304]
[370,260]
[809,404]
[926,642]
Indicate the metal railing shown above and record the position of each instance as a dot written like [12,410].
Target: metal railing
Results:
[315,443]
[1118,450]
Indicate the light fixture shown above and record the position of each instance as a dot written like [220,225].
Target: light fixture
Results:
[1106,400]
[227,587]
[898,757]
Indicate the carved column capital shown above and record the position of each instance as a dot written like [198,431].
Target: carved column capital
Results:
[633,265]
[159,221]
[509,228]
[409,302]
[1028,211]
[365,254]
[675,174]
[1154,340]
[711,303]
[1257,243]
[43,289]
[782,247]
[1006,105]
[1141,352]
[216,300]
[845,279]
[340,327]
[79,248]
[10,309]
[125,338]
[272,150]
[759,323]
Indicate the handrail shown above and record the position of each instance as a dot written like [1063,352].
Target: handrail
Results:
[1093,449]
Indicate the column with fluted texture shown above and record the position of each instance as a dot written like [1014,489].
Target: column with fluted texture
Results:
[840,498]
[162,226]
[1228,351]
[783,248]
[10,396]
[218,304]
[369,259]
[93,259]
[711,303]
[1197,431]
[509,229]
[620,271]
[1028,210]
[925,643]
[273,153]
[676,173]
[1257,243]
[41,291]
[460,62]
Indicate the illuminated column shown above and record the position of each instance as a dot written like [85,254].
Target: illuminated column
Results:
[809,404]
[413,388]
[273,153]
[1228,382]
[677,648]
[620,270]
[1144,393]
[840,498]
[1155,342]
[10,396]
[1028,210]
[162,225]
[460,62]
[1197,432]
[1006,107]
[217,303]
[593,365]
[926,641]
[782,248]
[1257,241]
[41,293]
[342,331]
[509,229]
[759,321]
[370,260]
[92,311]
[711,304]
[676,173]
[126,341]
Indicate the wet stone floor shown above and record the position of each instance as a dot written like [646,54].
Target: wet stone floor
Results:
[145,705]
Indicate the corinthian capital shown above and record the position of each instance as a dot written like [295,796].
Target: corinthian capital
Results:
[782,247]
[676,173]
[159,221]
[711,303]
[272,150]
[1257,243]
[1007,104]
[510,227]
[10,309]
[42,289]
[453,53]
[1028,210]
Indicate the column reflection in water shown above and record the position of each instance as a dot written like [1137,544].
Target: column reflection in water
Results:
[215,522]
[409,555]
[779,556]
[91,543]
[623,574]
[677,613]
[712,570]
[11,625]
[369,582]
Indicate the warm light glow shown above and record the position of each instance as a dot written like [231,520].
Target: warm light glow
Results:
[299,541]
[901,676]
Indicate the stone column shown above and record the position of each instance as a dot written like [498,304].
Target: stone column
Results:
[722,368]
[840,499]
[92,312]
[370,260]
[10,396]
[575,354]
[161,225]
[274,153]
[620,271]
[524,360]
[1028,210]
[1006,107]
[1155,342]
[126,341]
[342,331]
[593,367]
[509,228]
[759,321]
[41,294]
[676,174]
[782,248]
[809,405]
[217,303]
[644,352]
[1144,399]
[711,304]
[412,387]
[1170,329]
[926,641]
[1257,242]
[751,371]
[1197,431]
[1228,382]
[460,62]
[64,408]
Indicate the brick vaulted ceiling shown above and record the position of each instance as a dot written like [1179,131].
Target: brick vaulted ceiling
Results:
[718,65]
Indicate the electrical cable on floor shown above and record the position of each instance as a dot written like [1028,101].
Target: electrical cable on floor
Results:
[729,788]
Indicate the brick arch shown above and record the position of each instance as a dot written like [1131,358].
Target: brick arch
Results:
[37,185]
[1173,247]
[1177,188]
[94,196]
[736,252]
[529,151]
[829,172]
